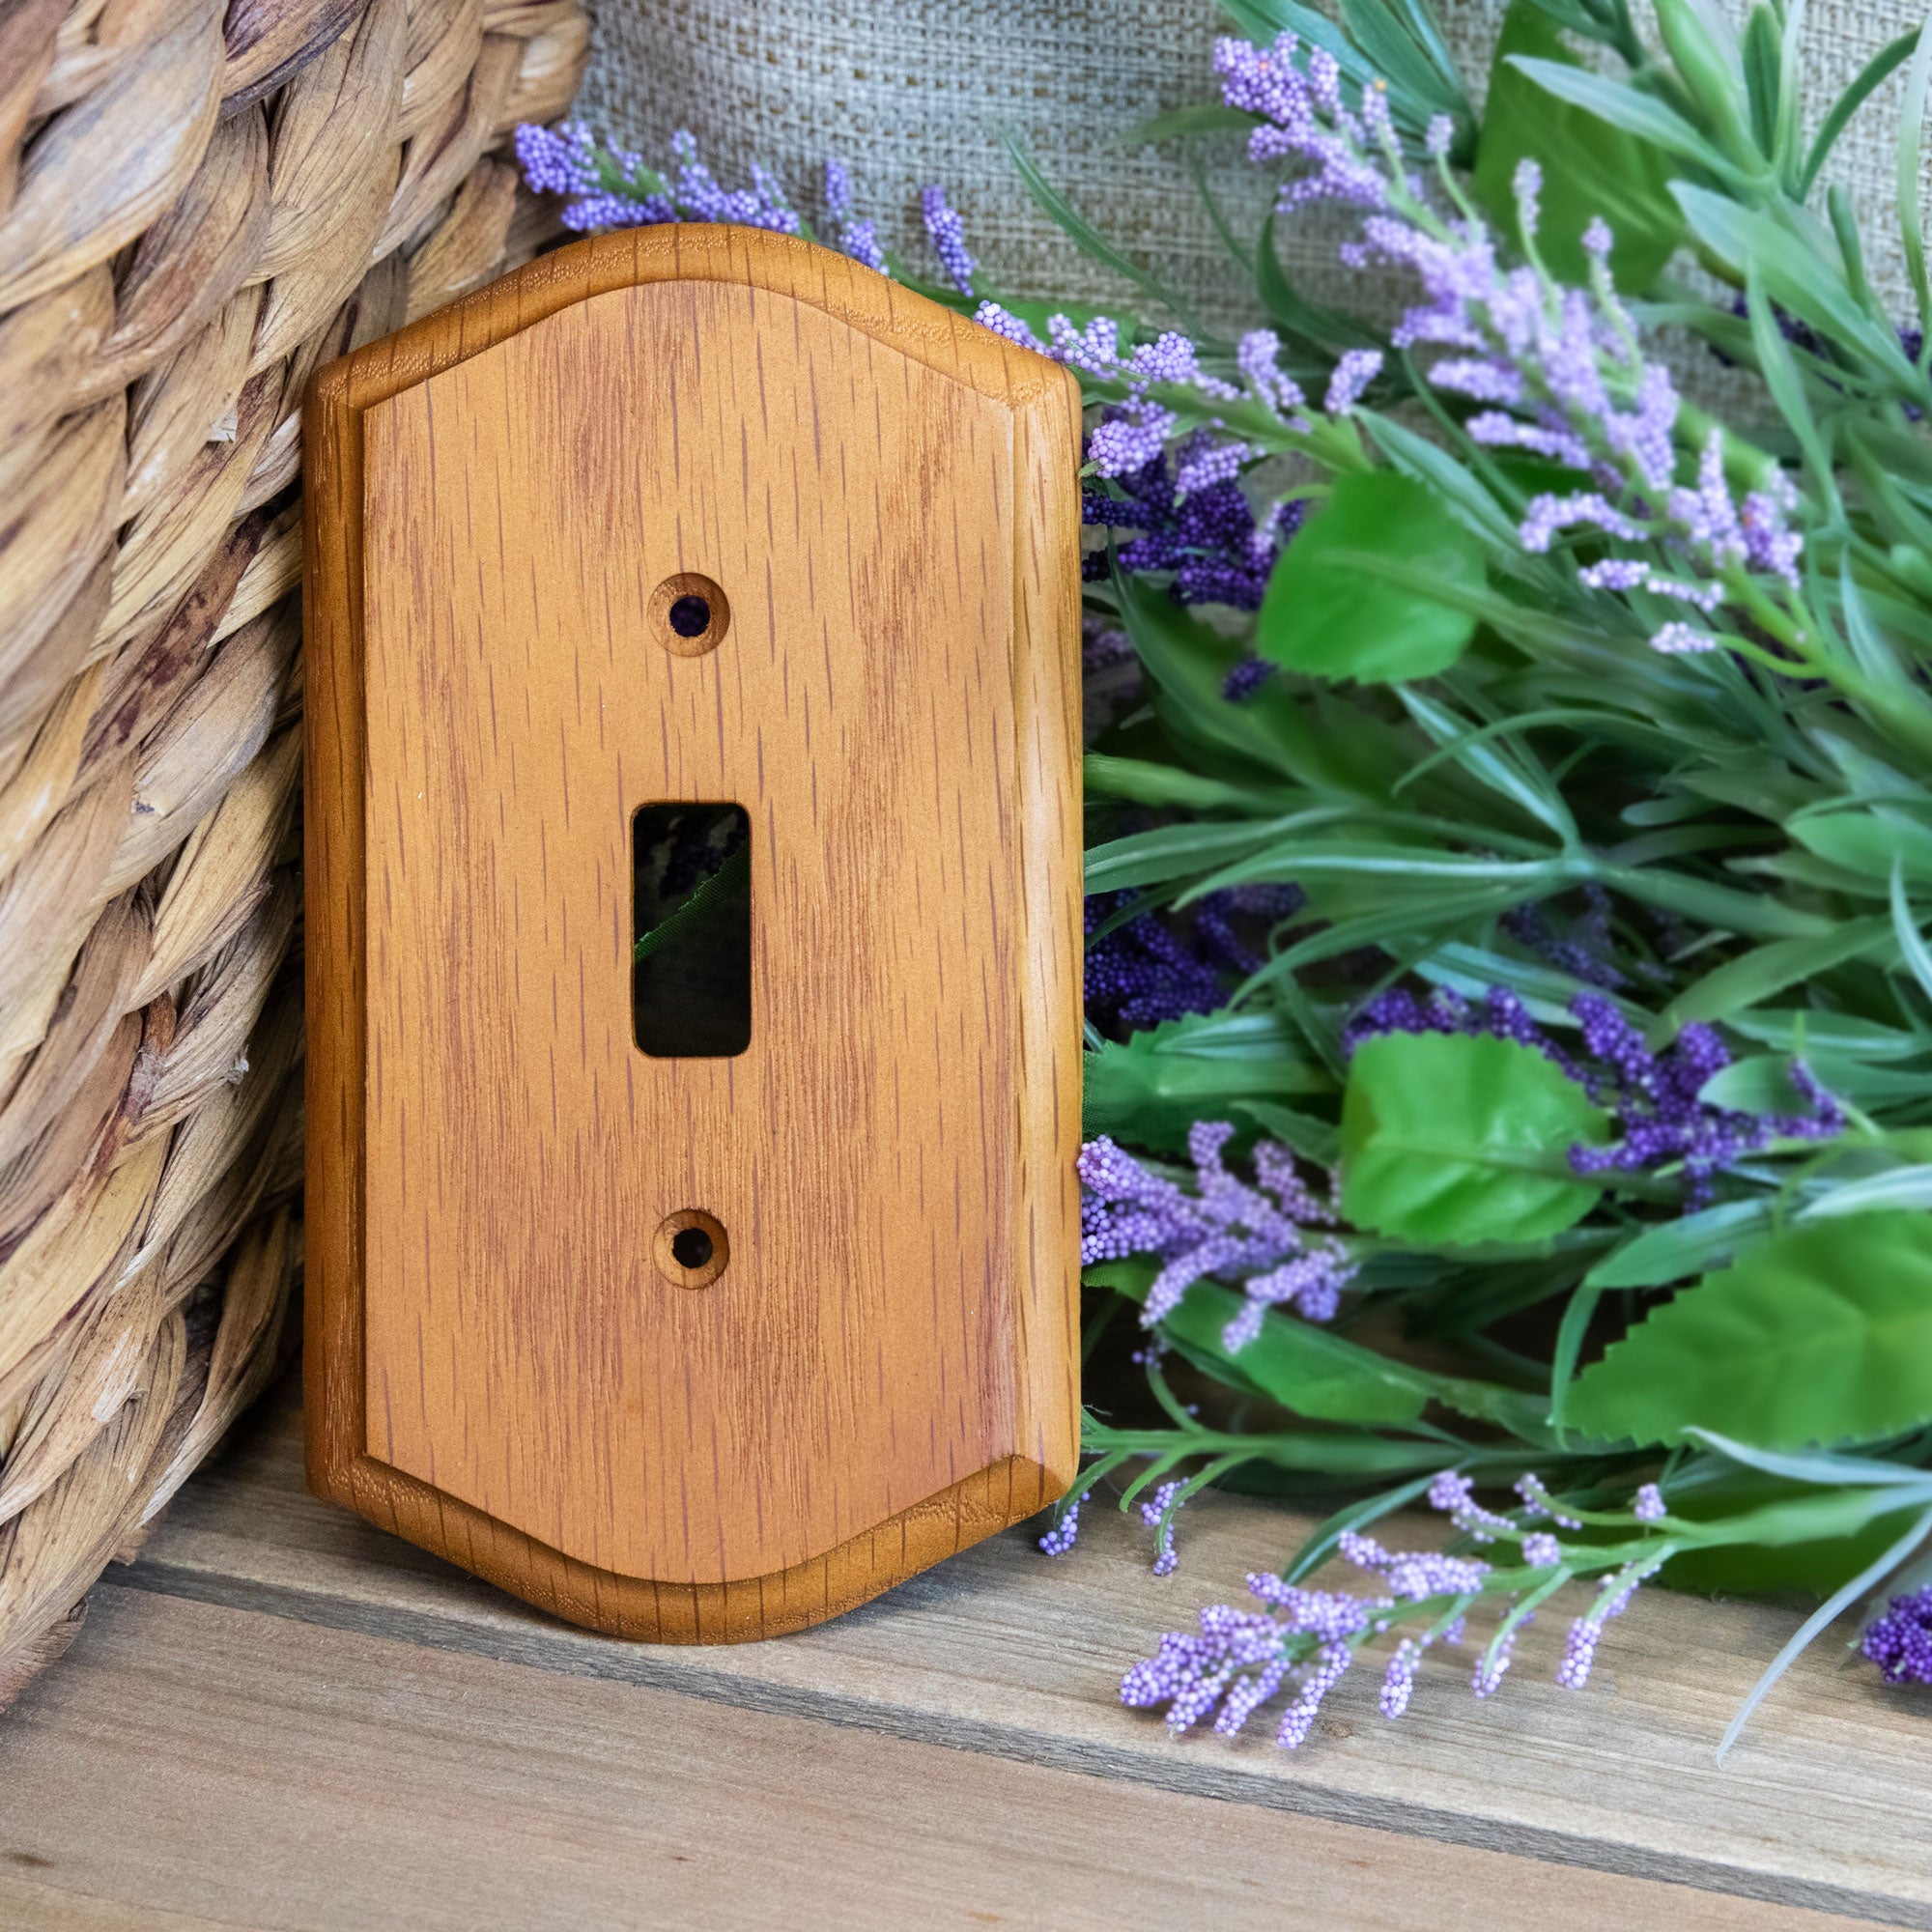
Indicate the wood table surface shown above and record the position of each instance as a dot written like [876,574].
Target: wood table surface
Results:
[279,1717]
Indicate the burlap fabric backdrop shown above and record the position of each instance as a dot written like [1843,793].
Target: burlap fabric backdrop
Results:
[909,91]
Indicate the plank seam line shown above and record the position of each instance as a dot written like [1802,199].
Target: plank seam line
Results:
[614,1662]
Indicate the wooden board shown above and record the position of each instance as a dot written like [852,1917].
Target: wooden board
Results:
[1011,1659]
[504,502]
[280,1718]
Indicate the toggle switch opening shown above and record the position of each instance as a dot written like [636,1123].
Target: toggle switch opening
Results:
[691,951]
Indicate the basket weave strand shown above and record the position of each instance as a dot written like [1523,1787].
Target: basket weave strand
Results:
[197,207]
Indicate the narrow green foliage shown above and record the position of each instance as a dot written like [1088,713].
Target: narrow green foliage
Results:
[1590,167]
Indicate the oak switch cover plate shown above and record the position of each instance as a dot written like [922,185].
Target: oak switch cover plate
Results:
[693,1277]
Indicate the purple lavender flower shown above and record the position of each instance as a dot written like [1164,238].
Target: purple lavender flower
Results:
[1654,1095]
[947,227]
[1497,1658]
[1102,647]
[1900,1641]
[1303,119]
[608,188]
[1399,1681]
[1003,322]
[1356,369]
[1129,439]
[1649,1505]
[1146,971]
[1225,1229]
[1060,1539]
[857,237]
[1454,1495]
[1537,1501]
[1158,1513]
[1583,952]
[1210,540]
[1660,1118]
[1579,1649]
[1413,1576]
[1245,679]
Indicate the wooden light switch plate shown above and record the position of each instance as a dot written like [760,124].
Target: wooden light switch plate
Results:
[692,516]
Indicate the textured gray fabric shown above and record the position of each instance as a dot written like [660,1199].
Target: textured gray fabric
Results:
[912,91]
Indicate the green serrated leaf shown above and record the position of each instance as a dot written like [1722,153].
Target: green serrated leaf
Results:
[1819,1335]
[1339,622]
[1458,1140]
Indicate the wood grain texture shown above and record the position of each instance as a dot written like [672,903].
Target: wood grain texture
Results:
[887,1370]
[1014,1657]
[351,1783]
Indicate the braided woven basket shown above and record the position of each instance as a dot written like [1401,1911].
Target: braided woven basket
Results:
[197,206]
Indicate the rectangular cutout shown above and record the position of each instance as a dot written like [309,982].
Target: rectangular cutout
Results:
[691,897]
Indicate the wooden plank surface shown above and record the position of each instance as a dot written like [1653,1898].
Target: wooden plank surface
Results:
[281,1717]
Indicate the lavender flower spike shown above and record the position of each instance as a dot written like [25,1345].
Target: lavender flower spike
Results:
[1060,1539]
[1900,1641]
[1158,1513]
[1356,369]
[947,227]
[1226,1228]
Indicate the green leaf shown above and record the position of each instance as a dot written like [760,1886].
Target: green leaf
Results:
[1186,123]
[1869,841]
[1148,782]
[1293,312]
[1458,1140]
[1312,1370]
[1758,1085]
[1911,146]
[1889,58]
[1338,622]
[1302,1367]
[1793,251]
[1676,1250]
[1819,1335]
[1769,969]
[730,877]
[1319,1141]
[1416,457]
[1153,1087]
[1642,115]
[1088,239]
[1589,167]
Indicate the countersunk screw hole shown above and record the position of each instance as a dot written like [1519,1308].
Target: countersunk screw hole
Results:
[690,616]
[690,1246]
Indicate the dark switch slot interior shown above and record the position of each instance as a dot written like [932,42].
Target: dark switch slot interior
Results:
[691,972]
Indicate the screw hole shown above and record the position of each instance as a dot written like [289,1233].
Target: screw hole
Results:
[690,1247]
[690,616]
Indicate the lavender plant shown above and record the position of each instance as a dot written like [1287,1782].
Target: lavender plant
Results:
[1508,871]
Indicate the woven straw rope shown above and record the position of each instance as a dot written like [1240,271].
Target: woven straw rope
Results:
[912,91]
[197,206]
